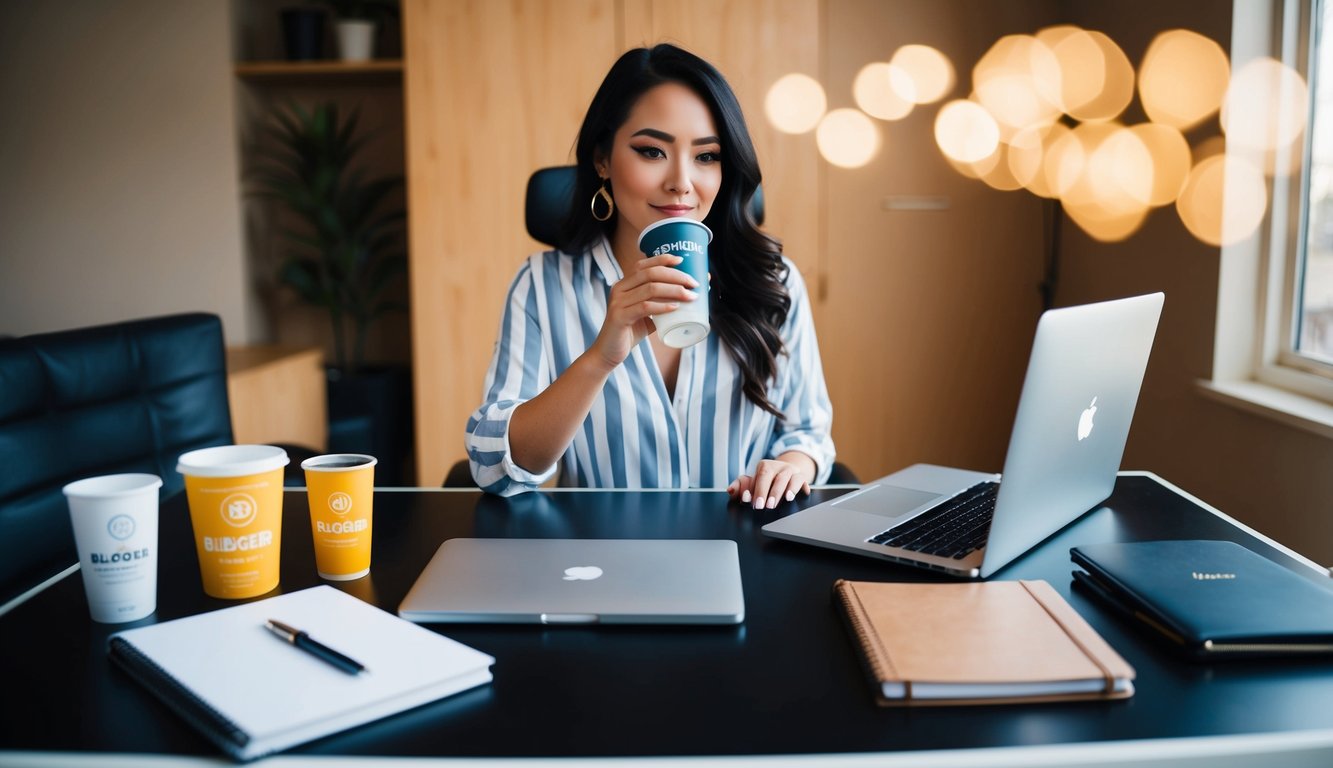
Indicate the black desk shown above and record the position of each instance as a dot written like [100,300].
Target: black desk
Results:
[786,681]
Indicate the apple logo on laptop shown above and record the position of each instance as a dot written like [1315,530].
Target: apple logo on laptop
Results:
[583,573]
[1085,421]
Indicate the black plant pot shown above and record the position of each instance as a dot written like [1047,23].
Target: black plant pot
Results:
[371,412]
[303,33]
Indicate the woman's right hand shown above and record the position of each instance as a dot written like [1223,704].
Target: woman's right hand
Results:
[656,287]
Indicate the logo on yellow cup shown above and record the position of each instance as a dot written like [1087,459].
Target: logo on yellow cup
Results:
[239,510]
[340,503]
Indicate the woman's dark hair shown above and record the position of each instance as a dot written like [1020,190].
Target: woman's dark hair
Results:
[749,301]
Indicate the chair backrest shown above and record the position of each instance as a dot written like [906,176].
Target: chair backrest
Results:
[127,397]
[550,199]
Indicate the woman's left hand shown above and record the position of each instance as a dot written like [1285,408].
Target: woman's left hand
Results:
[775,480]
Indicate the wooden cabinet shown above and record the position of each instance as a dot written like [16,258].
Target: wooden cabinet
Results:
[277,395]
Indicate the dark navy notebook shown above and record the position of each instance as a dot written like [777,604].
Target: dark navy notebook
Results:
[1214,599]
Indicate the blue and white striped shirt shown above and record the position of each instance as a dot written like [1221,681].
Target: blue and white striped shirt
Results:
[635,435]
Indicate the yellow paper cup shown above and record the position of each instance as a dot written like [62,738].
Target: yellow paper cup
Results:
[235,496]
[341,490]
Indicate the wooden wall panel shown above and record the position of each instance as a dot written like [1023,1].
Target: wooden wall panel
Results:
[494,91]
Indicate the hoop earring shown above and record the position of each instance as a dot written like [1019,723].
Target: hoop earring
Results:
[602,194]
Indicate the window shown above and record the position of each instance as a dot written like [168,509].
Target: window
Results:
[1311,311]
[1274,333]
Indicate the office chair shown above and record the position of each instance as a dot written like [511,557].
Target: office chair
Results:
[126,397]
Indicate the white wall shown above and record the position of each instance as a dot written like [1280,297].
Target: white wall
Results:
[118,176]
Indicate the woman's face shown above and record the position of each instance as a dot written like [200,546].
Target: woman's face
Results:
[666,160]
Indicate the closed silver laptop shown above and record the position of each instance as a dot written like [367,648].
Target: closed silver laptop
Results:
[579,581]
[1078,400]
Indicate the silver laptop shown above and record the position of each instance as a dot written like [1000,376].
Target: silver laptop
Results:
[579,581]
[1078,399]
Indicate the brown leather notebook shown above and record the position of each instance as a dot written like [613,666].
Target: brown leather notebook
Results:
[996,642]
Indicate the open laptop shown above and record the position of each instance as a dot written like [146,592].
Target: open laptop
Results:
[1074,413]
[579,581]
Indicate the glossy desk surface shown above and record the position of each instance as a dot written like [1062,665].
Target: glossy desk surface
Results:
[786,681]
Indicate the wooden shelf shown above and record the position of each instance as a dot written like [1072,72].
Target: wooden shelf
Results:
[377,70]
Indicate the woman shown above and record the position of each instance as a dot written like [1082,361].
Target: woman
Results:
[572,378]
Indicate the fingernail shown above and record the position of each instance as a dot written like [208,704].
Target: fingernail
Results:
[745,496]
[693,283]
[772,502]
[691,295]
[791,495]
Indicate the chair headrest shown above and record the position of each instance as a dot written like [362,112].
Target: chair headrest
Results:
[550,200]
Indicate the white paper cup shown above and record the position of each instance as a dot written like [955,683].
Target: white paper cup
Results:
[115,531]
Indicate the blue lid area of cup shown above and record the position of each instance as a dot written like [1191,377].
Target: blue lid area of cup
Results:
[101,487]
[232,461]
[673,220]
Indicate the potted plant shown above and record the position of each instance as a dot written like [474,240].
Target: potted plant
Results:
[355,25]
[345,253]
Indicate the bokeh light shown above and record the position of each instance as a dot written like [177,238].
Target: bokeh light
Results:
[847,138]
[878,95]
[995,171]
[1224,200]
[965,131]
[1027,154]
[1121,170]
[1117,87]
[1006,83]
[795,103]
[930,72]
[1183,78]
[1170,160]
[1265,106]
[1105,172]
[1043,115]
[1082,66]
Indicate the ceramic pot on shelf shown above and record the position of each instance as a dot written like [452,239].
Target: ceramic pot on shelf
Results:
[356,39]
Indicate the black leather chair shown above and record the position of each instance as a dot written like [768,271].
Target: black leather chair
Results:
[546,206]
[127,397]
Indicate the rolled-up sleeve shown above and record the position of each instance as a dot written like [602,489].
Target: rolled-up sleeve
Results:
[518,371]
[803,395]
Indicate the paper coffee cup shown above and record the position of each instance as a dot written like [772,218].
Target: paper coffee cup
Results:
[689,239]
[115,531]
[341,491]
[235,497]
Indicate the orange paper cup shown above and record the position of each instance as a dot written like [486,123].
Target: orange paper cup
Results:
[235,496]
[341,490]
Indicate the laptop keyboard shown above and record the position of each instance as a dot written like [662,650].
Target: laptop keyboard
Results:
[953,529]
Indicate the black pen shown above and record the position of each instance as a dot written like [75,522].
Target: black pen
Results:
[303,641]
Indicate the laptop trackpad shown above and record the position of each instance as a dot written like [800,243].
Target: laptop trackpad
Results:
[888,500]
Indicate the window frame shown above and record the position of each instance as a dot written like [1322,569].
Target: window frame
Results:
[1254,367]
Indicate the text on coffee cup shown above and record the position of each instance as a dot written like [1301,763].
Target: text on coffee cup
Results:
[238,543]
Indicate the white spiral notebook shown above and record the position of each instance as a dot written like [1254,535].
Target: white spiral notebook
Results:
[252,694]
